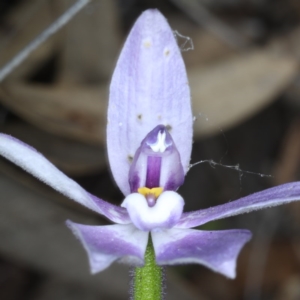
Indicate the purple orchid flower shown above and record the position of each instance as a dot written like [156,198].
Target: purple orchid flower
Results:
[149,139]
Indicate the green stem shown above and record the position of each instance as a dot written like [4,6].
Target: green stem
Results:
[148,279]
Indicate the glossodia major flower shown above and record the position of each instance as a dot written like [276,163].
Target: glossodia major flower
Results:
[149,140]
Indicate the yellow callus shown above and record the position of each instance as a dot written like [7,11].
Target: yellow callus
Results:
[154,191]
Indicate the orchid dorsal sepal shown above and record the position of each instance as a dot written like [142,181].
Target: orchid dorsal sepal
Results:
[149,87]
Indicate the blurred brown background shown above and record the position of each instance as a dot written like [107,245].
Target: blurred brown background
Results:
[244,78]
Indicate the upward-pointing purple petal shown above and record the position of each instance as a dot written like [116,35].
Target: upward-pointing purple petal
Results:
[278,195]
[37,165]
[149,87]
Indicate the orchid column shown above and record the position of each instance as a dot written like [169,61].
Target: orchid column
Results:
[149,87]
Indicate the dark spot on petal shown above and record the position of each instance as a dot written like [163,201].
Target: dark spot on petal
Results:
[130,158]
[140,116]
[169,127]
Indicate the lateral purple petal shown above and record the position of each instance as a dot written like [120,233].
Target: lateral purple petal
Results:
[278,195]
[149,87]
[106,244]
[217,250]
[37,165]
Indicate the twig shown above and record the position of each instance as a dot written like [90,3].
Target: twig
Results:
[53,28]
[197,12]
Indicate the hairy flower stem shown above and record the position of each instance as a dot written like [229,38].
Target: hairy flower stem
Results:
[148,280]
